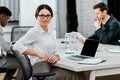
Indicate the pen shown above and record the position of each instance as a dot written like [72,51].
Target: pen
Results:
[103,61]
[54,52]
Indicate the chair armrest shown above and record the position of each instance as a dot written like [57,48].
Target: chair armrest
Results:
[3,70]
[45,74]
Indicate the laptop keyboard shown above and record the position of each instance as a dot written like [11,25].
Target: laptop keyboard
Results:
[80,56]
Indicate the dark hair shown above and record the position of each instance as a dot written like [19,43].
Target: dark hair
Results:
[43,6]
[5,10]
[102,6]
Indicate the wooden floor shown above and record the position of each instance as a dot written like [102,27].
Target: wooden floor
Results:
[112,77]
[1,76]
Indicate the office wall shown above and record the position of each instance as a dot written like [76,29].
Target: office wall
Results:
[86,16]
[13,5]
[62,21]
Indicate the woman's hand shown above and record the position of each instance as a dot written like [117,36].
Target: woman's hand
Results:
[44,56]
[53,58]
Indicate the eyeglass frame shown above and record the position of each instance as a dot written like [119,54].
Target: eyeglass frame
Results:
[42,16]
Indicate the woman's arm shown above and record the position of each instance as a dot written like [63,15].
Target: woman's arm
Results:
[38,54]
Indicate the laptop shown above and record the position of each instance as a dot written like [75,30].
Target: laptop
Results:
[88,50]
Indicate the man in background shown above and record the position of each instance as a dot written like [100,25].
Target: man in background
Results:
[107,26]
[6,60]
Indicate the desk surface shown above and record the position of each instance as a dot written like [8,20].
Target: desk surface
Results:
[113,59]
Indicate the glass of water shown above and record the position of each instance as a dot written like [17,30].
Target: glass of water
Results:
[68,42]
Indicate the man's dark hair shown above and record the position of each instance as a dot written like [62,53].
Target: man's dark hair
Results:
[43,6]
[5,10]
[102,6]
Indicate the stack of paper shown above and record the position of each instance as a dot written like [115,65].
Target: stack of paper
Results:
[114,50]
[91,61]
[79,36]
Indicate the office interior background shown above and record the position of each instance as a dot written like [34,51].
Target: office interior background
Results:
[69,15]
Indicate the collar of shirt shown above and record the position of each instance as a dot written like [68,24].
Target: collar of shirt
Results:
[1,29]
[106,19]
[0,25]
[39,29]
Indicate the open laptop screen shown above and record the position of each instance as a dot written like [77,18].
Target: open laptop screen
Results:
[90,47]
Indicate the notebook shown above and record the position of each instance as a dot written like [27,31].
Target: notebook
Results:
[88,50]
[91,61]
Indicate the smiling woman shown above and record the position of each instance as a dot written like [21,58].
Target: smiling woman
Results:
[44,15]
[39,44]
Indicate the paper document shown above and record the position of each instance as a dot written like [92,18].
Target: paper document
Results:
[91,61]
[80,36]
[116,50]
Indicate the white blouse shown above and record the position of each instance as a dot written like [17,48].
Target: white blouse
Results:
[36,39]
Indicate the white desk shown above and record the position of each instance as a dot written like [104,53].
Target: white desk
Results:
[112,66]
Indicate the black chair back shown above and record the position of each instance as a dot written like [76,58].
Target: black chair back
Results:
[24,63]
[18,31]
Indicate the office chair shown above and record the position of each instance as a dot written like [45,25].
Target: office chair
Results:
[3,70]
[26,67]
[9,73]
[23,59]
[18,32]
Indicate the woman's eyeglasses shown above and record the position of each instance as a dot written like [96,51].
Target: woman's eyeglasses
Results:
[45,16]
